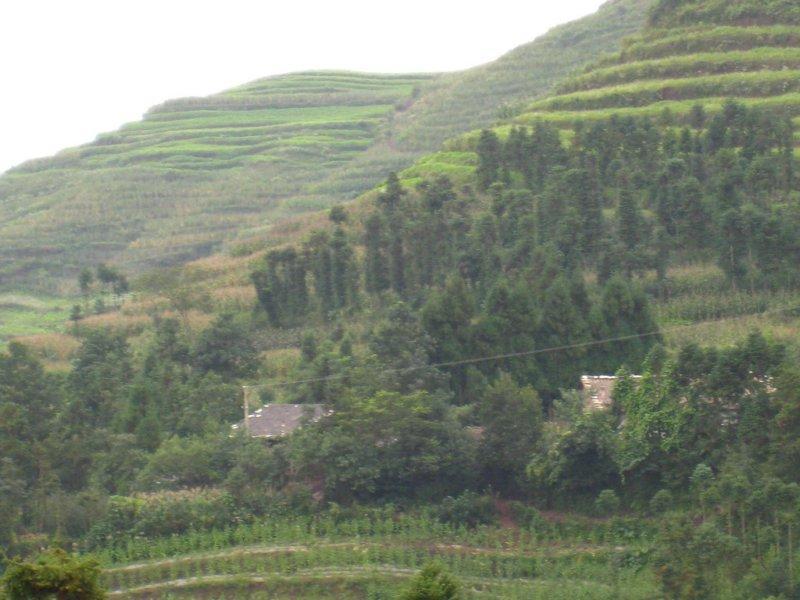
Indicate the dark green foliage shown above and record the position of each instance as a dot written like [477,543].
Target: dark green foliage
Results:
[281,285]
[606,503]
[581,462]
[386,446]
[488,150]
[376,262]
[469,509]
[53,574]
[511,417]
[689,559]
[226,348]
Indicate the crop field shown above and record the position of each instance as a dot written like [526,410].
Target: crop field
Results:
[195,172]
[726,38]
[26,315]
[674,69]
[374,558]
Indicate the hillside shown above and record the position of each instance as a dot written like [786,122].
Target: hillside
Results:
[199,173]
[478,96]
[556,358]
[691,53]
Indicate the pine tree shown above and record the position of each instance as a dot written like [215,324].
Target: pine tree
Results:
[629,219]
[489,160]
[318,251]
[392,195]
[376,279]
[343,271]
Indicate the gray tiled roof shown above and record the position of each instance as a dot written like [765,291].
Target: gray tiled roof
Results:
[277,420]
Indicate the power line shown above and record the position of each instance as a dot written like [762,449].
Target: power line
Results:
[481,359]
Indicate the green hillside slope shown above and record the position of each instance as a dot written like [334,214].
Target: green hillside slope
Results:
[691,53]
[195,171]
[199,172]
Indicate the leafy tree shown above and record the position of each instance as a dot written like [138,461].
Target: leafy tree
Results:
[85,281]
[386,446]
[226,348]
[281,287]
[344,276]
[392,195]
[512,420]
[579,462]
[690,561]
[337,215]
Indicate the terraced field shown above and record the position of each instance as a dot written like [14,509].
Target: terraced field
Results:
[196,171]
[368,559]
[676,68]
[199,176]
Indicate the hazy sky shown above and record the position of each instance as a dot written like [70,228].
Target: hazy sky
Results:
[71,69]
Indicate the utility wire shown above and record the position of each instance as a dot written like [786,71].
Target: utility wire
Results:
[481,359]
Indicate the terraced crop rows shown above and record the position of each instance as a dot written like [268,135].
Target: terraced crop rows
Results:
[195,171]
[674,69]
[374,559]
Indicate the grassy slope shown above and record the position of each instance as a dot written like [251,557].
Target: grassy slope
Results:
[678,67]
[198,172]
[195,172]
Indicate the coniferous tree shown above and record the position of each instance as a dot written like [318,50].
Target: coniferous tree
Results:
[489,159]
[318,252]
[376,264]
[343,271]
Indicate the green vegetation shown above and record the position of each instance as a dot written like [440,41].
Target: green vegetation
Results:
[713,38]
[671,13]
[25,315]
[632,225]
[703,52]
[457,322]
[379,552]
[708,63]
[203,175]
[53,574]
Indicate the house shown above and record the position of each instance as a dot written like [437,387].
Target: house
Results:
[274,421]
[598,391]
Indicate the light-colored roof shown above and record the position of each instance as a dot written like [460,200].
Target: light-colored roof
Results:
[278,420]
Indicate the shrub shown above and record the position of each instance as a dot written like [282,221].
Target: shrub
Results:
[607,503]
[433,583]
[469,509]
[54,574]
[661,502]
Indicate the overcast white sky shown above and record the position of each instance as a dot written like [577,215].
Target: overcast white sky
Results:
[71,69]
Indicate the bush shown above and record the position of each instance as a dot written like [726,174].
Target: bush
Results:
[54,574]
[527,517]
[433,583]
[661,502]
[607,503]
[469,509]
